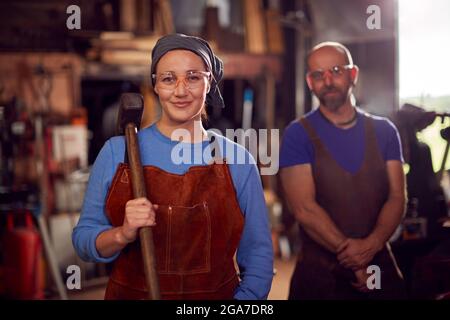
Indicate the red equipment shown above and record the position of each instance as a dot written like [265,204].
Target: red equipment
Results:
[22,259]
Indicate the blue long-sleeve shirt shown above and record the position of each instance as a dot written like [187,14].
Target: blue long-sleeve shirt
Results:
[254,254]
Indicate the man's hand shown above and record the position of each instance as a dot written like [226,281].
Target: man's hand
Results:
[357,253]
[361,280]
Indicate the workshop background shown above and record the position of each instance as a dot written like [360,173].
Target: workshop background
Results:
[60,82]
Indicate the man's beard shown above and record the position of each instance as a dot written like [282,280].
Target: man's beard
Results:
[335,101]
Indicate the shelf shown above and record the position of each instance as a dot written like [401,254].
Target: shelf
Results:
[236,65]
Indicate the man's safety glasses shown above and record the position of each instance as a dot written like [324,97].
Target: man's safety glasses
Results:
[336,72]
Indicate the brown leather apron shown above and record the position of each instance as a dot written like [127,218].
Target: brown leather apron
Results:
[353,201]
[198,228]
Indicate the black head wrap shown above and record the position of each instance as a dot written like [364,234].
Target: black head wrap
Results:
[202,49]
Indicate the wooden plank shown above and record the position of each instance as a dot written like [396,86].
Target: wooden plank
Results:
[126,57]
[212,27]
[255,29]
[128,15]
[236,66]
[275,39]
[144,15]
[249,66]
[164,20]
[138,43]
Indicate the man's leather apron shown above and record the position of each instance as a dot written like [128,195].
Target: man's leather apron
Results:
[198,228]
[353,201]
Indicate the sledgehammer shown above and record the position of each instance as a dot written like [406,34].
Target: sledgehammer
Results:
[128,123]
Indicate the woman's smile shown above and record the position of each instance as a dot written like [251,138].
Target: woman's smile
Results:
[181,104]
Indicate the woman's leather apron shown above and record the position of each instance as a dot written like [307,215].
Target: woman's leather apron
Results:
[198,228]
[353,201]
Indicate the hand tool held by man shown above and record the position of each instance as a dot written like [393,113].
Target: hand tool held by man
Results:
[139,213]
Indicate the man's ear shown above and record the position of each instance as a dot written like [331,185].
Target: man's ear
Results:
[354,72]
[309,82]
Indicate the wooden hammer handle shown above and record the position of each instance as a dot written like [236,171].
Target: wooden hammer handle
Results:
[145,233]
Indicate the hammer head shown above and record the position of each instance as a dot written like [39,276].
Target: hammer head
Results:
[130,110]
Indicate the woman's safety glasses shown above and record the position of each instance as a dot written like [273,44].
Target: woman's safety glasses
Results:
[191,80]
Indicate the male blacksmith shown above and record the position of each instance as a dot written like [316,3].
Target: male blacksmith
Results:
[343,178]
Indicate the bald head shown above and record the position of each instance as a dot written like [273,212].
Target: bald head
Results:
[329,51]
